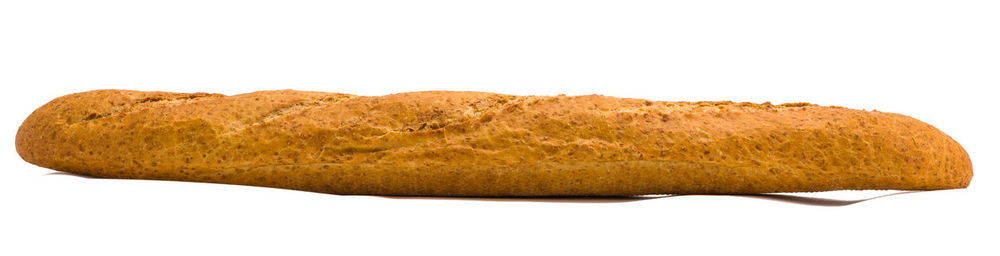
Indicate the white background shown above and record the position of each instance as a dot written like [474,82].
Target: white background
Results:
[937,61]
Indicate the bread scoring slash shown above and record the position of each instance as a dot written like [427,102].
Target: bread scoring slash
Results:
[447,143]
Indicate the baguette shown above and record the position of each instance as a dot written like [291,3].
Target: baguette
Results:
[445,143]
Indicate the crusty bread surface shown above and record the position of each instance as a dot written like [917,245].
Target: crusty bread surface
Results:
[446,143]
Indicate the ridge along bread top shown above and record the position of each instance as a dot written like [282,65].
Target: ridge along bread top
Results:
[485,144]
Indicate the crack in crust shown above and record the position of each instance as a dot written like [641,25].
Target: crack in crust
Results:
[148,103]
[291,109]
[476,111]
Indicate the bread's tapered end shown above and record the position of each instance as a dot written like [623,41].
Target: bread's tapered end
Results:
[45,138]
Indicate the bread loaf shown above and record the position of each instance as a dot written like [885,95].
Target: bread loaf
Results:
[446,143]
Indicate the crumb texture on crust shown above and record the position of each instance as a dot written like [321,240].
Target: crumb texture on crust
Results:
[487,144]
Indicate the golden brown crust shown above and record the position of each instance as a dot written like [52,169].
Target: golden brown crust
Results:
[485,144]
